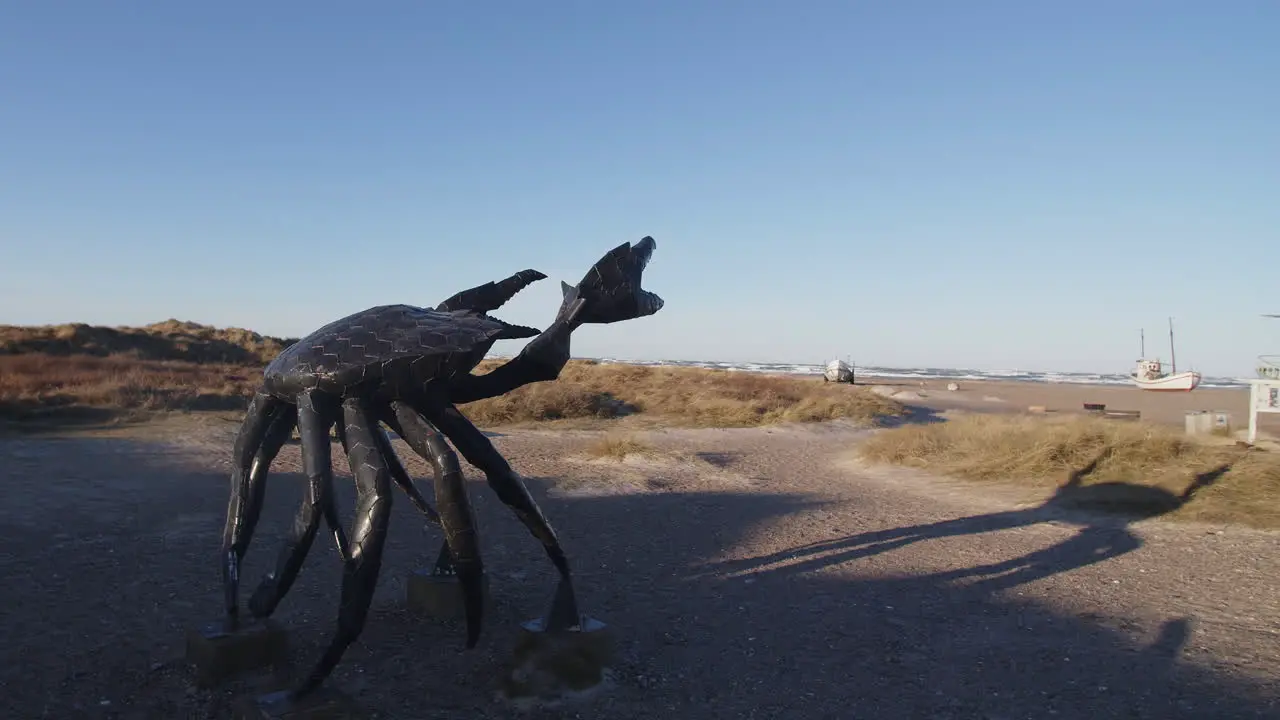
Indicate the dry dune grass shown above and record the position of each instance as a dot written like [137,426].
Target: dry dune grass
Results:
[174,365]
[37,384]
[167,340]
[1120,457]
[690,396]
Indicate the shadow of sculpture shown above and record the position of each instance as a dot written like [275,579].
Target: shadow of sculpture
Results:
[1100,511]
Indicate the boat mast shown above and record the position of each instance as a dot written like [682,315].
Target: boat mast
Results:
[1173,359]
[1142,344]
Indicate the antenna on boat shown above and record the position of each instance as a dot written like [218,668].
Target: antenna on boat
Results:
[1173,358]
[1142,344]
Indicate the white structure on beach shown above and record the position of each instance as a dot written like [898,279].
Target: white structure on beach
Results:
[1264,397]
[1269,365]
[1264,391]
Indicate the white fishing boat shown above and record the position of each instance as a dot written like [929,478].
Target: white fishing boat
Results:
[1150,374]
[838,371]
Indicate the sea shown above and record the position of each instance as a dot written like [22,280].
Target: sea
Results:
[925,373]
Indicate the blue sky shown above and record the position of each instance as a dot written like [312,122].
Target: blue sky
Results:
[983,184]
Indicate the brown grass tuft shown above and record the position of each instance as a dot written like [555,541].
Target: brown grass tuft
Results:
[1126,458]
[618,447]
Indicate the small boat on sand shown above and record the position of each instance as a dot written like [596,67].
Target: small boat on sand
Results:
[838,371]
[1150,374]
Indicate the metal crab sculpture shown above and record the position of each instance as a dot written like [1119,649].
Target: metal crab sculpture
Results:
[409,368]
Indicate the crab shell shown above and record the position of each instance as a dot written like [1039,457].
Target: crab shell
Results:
[400,349]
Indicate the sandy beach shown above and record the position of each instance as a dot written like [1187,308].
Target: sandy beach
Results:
[996,396]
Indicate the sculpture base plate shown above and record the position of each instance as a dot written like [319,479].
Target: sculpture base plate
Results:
[323,703]
[440,596]
[550,665]
[223,649]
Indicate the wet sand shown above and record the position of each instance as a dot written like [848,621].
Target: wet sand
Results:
[1011,396]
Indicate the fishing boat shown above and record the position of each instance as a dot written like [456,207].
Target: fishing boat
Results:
[1150,374]
[838,371]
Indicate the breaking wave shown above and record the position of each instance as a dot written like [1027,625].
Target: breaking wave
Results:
[927,373]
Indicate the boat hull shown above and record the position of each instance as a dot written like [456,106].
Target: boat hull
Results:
[838,371]
[1177,382]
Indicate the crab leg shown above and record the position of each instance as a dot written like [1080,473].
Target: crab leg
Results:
[456,517]
[506,483]
[314,421]
[401,476]
[368,536]
[265,429]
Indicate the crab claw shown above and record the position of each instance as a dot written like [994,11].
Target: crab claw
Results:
[514,332]
[610,292]
[491,295]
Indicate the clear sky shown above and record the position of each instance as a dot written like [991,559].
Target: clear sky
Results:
[993,185]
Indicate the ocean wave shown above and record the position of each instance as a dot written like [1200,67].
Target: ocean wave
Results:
[928,373]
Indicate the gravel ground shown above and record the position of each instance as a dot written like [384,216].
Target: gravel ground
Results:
[747,573]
